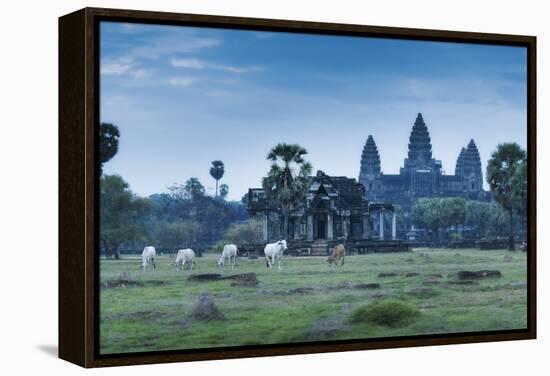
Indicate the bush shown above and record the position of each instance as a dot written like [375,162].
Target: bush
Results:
[386,313]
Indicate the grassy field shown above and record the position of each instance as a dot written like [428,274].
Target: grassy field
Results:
[308,301]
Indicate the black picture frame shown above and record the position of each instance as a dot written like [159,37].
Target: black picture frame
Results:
[79,180]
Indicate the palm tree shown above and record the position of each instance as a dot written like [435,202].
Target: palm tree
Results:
[216,171]
[501,169]
[224,190]
[288,179]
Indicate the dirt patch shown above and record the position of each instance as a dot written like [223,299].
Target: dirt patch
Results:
[243,280]
[434,275]
[468,275]
[205,309]
[422,292]
[508,258]
[326,328]
[463,283]
[124,280]
[518,285]
[430,282]
[156,283]
[115,283]
[387,274]
[367,286]
[206,277]
[296,291]
[138,315]
[412,274]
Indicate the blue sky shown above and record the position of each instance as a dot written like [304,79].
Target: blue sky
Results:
[183,97]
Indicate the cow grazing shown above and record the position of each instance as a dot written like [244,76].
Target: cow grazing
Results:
[148,257]
[229,252]
[184,256]
[274,252]
[338,253]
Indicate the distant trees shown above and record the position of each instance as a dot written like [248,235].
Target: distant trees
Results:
[217,169]
[178,234]
[481,219]
[192,189]
[507,178]
[108,142]
[288,178]
[121,215]
[245,233]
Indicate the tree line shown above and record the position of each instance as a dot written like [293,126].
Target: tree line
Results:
[185,216]
[507,178]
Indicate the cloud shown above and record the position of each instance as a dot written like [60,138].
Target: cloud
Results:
[193,63]
[115,69]
[174,43]
[187,63]
[181,81]
[123,67]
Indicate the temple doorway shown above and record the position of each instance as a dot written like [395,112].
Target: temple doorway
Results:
[321,228]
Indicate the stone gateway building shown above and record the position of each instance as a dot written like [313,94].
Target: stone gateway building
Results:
[335,210]
[421,174]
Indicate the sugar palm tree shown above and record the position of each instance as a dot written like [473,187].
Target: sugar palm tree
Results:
[501,169]
[288,179]
[224,190]
[216,171]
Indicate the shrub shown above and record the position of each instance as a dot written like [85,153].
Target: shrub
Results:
[386,313]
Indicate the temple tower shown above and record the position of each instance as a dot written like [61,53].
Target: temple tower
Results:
[370,168]
[469,167]
[459,168]
[420,146]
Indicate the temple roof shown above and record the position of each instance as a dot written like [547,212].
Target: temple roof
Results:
[469,161]
[420,147]
[370,159]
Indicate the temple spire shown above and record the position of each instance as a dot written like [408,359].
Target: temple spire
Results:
[370,160]
[468,166]
[420,147]
[460,162]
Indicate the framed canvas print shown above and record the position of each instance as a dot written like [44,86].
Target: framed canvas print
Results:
[236,187]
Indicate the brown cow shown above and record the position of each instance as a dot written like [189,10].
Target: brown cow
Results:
[338,253]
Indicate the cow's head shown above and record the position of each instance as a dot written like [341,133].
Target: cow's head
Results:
[220,263]
[282,244]
[330,260]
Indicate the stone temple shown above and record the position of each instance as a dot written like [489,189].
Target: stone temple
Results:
[363,213]
[421,174]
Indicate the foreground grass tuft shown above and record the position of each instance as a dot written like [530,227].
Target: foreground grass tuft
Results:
[385,313]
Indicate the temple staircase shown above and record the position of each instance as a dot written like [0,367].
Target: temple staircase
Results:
[319,248]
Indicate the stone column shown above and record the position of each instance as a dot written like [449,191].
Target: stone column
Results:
[365,234]
[381,231]
[393,226]
[345,225]
[309,227]
[266,227]
[329,227]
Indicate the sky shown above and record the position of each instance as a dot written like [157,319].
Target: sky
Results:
[185,96]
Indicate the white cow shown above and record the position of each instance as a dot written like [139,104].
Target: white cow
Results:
[184,256]
[148,257]
[229,252]
[274,252]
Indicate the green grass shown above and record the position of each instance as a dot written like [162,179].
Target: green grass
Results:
[154,311]
[387,313]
